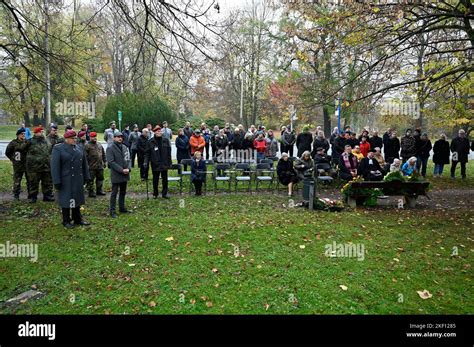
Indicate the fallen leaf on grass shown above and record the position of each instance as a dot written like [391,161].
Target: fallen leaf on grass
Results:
[343,287]
[424,294]
[152,304]
[302,246]
[169,239]
[209,304]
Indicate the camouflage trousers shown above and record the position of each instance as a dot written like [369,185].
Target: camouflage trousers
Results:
[34,179]
[17,177]
[97,176]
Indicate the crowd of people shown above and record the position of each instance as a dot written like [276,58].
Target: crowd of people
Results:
[76,161]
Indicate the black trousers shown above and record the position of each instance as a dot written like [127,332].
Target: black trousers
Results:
[121,190]
[198,186]
[164,182]
[133,154]
[454,163]
[143,171]
[207,150]
[76,215]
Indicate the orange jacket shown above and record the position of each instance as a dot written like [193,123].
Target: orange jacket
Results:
[364,148]
[197,143]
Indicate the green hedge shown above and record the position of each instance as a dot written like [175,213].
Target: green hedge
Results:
[137,109]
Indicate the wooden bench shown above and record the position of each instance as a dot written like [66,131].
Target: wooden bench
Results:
[410,190]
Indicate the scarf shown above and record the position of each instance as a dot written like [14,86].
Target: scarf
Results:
[349,164]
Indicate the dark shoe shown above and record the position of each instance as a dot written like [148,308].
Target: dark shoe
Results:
[126,211]
[83,223]
[101,194]
[92,195]
[113,215]
[166,197]
[16,197]
[32,200]
[48,198]
[68,226]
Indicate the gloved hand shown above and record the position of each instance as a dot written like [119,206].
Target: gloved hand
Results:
[57,186]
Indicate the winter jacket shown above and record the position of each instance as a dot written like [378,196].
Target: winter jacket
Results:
[197,143]
[441,152]
[303,143]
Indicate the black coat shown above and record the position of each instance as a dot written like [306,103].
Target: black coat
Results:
[365,167]
[461,146]
[285,172]
[392,148]
[353,142]
[118,159]
[323,143]
[158,153]
[237,142]
[303,143]
[376,141]
[69,169]
[182,148]
[424,148]
[198,170]
[141,145]
[338,147]
[441,152]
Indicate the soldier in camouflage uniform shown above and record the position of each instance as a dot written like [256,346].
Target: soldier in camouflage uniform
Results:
[81,139]
[53,138]
[16,152]
[95,155]
[38,166]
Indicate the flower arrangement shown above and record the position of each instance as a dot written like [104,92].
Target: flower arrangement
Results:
[347,189]
[394,176]
[328,205]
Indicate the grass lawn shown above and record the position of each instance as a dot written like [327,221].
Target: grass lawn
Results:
[237,254]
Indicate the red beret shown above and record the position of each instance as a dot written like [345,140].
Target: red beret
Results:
[38,129]
[81,133]
[93,134]
[69,133]
[156,128]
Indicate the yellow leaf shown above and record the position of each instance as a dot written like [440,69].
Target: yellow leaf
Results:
[169,239]
[343,287]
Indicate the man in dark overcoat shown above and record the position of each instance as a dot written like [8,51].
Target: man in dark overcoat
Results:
[120,165]
[69,171]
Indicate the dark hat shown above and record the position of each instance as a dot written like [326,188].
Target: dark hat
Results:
[117,133]
[20,131]
[372,150]
[68,127]
[319,149]
[53,126]
[69,134]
